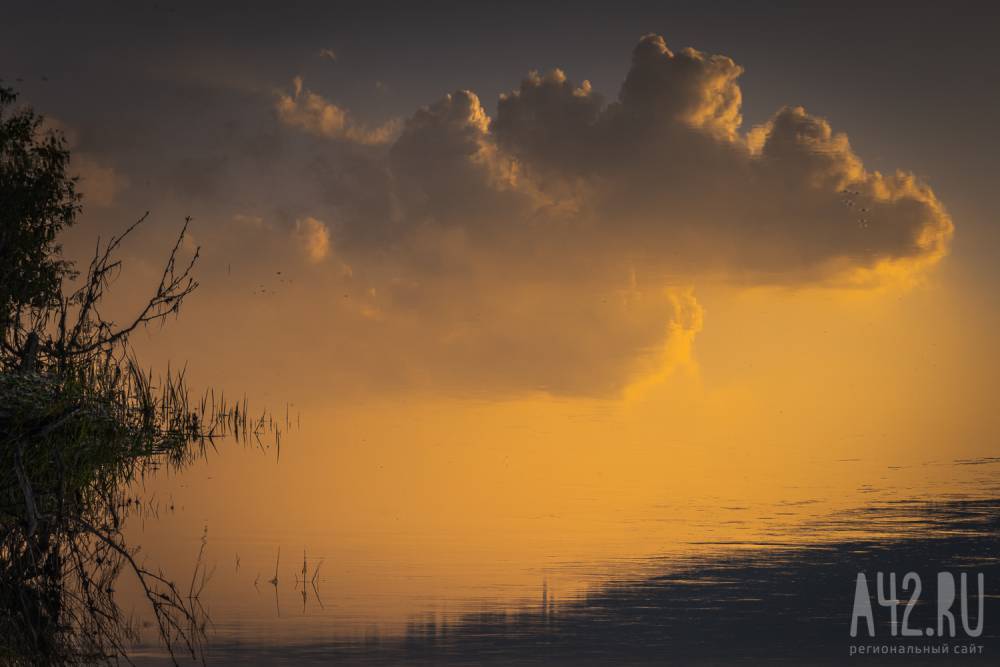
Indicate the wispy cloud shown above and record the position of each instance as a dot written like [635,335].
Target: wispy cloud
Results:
[313,237]
[311,112]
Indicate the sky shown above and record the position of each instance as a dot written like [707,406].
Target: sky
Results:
[757,220]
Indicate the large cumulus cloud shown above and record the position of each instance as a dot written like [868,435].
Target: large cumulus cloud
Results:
[547,247]
[667,173]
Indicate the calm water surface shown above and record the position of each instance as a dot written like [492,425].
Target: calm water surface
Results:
[420,544]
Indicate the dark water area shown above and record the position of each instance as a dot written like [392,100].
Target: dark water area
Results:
[772,603]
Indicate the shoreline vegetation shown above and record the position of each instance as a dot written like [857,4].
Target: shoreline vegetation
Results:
[81,420]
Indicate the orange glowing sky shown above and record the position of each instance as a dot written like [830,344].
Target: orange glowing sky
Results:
[758,223]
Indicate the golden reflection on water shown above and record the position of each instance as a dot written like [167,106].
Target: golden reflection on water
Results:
[417,508]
